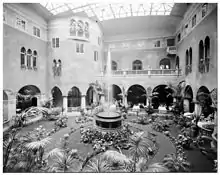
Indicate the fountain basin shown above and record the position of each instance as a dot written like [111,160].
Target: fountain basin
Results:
[108,121]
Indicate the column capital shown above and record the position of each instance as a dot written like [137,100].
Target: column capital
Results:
[83,95]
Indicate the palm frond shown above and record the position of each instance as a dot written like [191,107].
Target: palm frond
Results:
[157,168]
[38,144]
[56,152]
[98,166]
[114,156]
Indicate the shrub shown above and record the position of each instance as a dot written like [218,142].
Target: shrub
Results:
[98,138]
[149,110]
[61,122]
[155,102]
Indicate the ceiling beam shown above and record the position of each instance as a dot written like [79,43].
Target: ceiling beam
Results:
[94,13]
[131,9]
[112,10]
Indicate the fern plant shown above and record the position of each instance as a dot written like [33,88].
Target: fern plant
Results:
[64,159]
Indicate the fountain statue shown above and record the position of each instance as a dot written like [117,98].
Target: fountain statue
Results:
[110,119]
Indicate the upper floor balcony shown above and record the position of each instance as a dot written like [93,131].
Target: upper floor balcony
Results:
[145,72]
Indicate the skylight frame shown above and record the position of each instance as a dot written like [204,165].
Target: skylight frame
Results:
[111,11]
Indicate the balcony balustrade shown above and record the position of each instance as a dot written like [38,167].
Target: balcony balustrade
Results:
[150,72]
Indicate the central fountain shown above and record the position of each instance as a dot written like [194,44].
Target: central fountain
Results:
[110,119]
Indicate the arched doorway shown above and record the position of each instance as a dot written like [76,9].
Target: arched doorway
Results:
[34,101]
[188,99]
[116,91]
[90,96]
[136,94]
[27,97]
[164,95]
[5,106]
[204,99]
[137,65]
[57,97]
[165,63]
[74,97]
[177,62]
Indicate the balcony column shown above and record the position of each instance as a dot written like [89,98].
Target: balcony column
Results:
[83,101]
[65,104]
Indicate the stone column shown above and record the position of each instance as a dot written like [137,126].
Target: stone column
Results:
[197,109]
[102,100]
[38,100]
[186,104]
[65,104]
[83,101]
[125,101]
[147,101]
[11,108]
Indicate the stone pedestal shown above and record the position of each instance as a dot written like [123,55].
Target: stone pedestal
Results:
[65,104]
[186,104]
[83,101]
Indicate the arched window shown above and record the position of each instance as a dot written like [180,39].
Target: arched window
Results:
[137,65]
[80,27]
[187,62]
[29,55]
[72,27]
[207,53]
[165,63]
[59,66]
[114,65]
[23,53]
[190,59]
[86,29]
[177,62]
[35,60]
[201,57]
[54,67]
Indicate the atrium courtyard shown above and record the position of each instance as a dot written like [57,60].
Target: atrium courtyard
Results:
[110,87]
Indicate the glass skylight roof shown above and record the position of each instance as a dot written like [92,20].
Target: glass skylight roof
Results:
[110,11]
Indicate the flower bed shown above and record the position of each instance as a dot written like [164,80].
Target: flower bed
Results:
[102,140]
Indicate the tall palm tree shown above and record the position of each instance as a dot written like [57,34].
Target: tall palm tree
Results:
[9,140]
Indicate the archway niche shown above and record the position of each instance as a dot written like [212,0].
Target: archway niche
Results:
[74,97]
[90,96]
[57,97]
[116,92]
[188,99]
[204,98]
[136,94]
[27,97]
[164,95]
[165,63]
